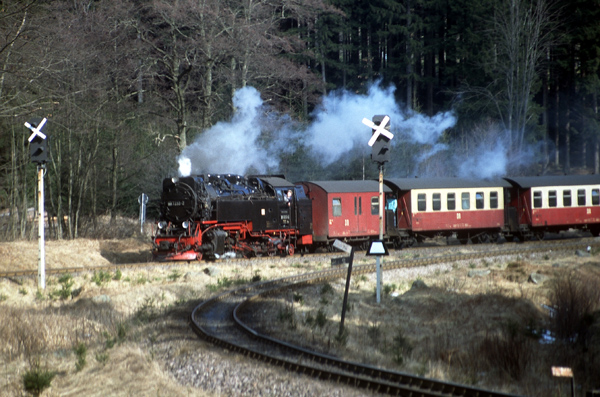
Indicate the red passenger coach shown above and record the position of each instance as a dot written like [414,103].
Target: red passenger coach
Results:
[451,207]
[549,203]
[345,210]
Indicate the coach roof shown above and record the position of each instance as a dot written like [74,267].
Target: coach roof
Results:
[349,186]
[444,183]
[558,180]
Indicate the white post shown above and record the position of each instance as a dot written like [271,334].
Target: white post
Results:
[42,259]
[381,212]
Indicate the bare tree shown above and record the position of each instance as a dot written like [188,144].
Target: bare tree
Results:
[522,32]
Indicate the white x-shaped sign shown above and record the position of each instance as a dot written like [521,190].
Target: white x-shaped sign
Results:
[379,129]
[36,130]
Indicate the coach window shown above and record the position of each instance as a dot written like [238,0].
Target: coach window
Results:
[337,207]
[451,201]
[552,198]
[374,205]
[595,196]
[566,198]
[437,201]
[493,200]
[537,199]
[355,205]
[422,202]
[360,206]
[580,196]
[465,198]
[479,200]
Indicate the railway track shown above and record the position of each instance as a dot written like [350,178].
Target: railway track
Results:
[220,320]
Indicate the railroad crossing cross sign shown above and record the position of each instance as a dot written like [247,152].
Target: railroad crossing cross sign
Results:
[378,129]
[37,131]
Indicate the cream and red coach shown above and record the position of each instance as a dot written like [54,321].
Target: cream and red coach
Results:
[553,203]
[457,208]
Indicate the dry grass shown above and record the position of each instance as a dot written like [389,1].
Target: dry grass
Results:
[40,327]
[474,330]
[460,328]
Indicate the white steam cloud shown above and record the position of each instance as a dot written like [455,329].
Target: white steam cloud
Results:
[256,137]
[338,126]
[231,147]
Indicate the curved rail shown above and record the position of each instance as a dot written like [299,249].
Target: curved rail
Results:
[218,320]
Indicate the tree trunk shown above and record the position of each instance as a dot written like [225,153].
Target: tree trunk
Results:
[596,137]
[409,58]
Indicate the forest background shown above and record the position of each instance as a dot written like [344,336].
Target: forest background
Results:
[132,88]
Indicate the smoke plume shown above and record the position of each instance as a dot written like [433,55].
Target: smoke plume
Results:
[257,138]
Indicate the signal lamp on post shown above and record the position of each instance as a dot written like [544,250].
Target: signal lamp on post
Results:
[38,140]
[381,147]
[38,150]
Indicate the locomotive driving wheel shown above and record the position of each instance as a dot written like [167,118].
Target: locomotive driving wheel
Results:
[290,250]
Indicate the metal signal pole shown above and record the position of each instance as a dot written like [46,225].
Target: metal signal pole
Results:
[38,149]
[380,144]
[378,258]
[42,248]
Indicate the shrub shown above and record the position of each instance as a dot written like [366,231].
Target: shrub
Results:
[326,289]
[147,311]
[285,314]
[118,275]
[321,319]
[36,380]
[174,276]
[81,353]
[509,351]
[389,288]
[574,299]
[102,358]
[101,277]
[374,333]
[401,347]
[66,281]
[298,298]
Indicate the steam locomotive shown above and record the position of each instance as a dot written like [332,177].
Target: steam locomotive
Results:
[211,216]
[229,215]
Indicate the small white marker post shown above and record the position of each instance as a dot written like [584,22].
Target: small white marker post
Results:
[37,131]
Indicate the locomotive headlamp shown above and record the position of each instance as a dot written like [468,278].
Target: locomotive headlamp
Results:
[162,224]
[185,224]
[174,179]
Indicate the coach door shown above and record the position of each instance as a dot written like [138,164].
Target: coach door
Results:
[511,215]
